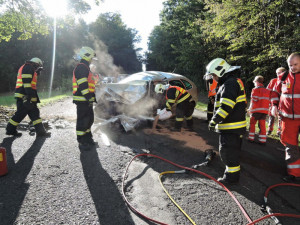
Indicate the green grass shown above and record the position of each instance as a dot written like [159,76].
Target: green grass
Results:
[10,101]
[201,106]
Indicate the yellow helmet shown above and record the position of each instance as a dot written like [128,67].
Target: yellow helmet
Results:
[37,61]
[87,54]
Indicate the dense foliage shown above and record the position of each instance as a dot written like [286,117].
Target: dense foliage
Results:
[255,34]
[23,38]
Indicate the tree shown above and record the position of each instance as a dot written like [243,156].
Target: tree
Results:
[27,17]
[119,40]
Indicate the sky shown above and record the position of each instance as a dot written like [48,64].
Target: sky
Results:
[141,15]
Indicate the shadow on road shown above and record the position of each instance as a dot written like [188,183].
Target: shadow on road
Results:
[110,206]
[262,166]
[13,187]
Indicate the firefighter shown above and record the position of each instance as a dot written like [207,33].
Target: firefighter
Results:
[258,109]
[27,99]
[212,91]
[286,102]
[84,97]
[184,104]
[270,87]
[229,118]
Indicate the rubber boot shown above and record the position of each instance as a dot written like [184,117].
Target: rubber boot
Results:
[41,131]
[230,178]
[12,130]
[177,127]
[190,124]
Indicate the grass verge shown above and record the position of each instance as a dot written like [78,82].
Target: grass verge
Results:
[10,101]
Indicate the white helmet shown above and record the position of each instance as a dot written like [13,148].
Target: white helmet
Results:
[218,67]
[87,54]
[160,88]
[37,61]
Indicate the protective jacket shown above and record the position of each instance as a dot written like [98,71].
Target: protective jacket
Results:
[26,83]
[260,99]
[230,106]
[83,83]
[286,96]
[176,95]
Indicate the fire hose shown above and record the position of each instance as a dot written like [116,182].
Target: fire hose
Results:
[209,156]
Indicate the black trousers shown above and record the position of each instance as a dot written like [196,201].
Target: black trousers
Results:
[185,110]
[85,120]
[230,146]
[22,111]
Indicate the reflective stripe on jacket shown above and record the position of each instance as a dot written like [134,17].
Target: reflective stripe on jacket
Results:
[230,107]
[79,95]
[176,95]
[260,99]
[288,93]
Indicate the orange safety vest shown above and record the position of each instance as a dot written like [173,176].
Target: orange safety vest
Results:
[179,92]
[212,88]
[91,84]
[19,83]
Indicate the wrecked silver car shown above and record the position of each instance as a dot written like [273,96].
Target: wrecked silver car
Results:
[134,96]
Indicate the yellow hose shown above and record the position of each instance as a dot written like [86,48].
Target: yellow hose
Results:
[159,177]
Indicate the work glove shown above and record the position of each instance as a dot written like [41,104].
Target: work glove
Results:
[274,111]
[212,125]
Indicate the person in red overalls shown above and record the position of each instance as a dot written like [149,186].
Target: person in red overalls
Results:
[288,107]
[259,107]
[270,87]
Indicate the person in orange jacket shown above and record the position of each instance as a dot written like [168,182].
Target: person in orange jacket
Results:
[286,103]
[270,87]
[258,109]
[212,91]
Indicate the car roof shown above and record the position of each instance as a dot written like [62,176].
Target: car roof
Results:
[151,75]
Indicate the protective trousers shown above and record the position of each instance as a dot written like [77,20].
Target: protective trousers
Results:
[22,111]
[85,120]
[230,145]
[261,118]
[289,138]
[185,110]
[210,109]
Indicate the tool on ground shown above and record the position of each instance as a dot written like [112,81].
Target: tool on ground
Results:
[3,162]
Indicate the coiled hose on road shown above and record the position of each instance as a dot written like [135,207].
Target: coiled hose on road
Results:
[250,222]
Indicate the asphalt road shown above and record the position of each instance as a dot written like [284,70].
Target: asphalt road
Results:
[50,181]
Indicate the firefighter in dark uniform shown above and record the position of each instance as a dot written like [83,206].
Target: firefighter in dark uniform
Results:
[27,99]
[229,118]
[84,97]
[184,106]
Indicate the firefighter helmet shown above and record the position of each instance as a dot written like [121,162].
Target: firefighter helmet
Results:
[37,61]
[218,67]
[160,88]
[87,54]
